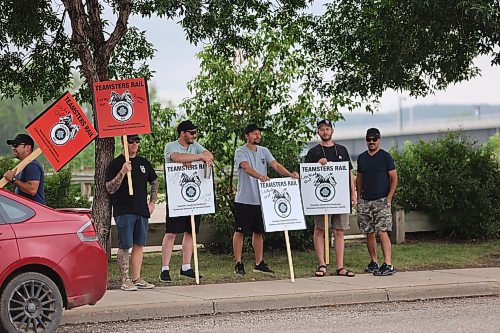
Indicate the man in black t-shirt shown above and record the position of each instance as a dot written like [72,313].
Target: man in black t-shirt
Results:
[132,212]
[328,151]
[376,183]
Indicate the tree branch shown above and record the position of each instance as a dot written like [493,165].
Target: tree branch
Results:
[120,28]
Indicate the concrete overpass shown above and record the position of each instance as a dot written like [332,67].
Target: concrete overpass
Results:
[354,137]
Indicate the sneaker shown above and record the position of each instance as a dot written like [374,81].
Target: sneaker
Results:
[141,284]
[127,285]
[262,268]
[239,268]
[165,276]
[385,270]
[372,267]
[189,273]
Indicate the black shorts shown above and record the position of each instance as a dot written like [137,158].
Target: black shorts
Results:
[181,224]
[248,218]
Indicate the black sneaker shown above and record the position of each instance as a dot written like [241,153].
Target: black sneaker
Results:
[372,267]
[165,276]
[189,273]
[262,268]
[385,270]
[239,268]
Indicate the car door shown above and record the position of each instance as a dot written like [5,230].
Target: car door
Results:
[9,252]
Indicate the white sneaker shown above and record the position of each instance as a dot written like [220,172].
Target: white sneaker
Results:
[141,284]
[127,285]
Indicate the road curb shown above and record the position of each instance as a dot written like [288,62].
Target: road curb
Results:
[211,306]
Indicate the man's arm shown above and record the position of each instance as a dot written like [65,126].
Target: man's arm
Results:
[30,186]
[359,184]
[114,184]
[245,165]
[282,170]
[394,183]
[205,156]
[354,199]
[153,195]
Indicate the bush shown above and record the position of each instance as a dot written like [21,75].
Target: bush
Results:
[59,193]
[454,180]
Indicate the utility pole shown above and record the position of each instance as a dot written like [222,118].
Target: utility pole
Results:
[400,113]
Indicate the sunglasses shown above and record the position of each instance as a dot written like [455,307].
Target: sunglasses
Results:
[15,145]
[371,139]
[136,140]
[191,132]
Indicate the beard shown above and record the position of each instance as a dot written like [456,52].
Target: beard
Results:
[326,138]
[256,142]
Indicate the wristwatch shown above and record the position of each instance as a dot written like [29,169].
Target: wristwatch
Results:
[13,180]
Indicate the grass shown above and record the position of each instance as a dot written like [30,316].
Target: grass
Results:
[410,256]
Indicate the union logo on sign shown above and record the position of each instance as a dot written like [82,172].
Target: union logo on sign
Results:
[325,187]
[64,130]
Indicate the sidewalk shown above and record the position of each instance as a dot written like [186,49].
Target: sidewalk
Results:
[178,301]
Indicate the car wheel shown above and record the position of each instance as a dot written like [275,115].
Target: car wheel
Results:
[31,302]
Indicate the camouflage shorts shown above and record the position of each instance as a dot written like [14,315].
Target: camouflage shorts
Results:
[374,216]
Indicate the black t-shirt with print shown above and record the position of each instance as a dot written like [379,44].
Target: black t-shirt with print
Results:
[142,173]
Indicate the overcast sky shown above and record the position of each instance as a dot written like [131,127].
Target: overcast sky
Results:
[175,64]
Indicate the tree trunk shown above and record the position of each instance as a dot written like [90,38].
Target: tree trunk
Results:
[101,206]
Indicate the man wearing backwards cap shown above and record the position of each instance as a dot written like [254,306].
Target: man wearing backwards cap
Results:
[376,183]
[328,151]
[252,161]
[132,212]
[30,181]
[184,150]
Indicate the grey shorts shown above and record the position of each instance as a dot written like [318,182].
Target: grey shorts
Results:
[340,221]
[374,215]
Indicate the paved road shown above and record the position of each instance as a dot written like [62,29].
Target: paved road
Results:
[480,314]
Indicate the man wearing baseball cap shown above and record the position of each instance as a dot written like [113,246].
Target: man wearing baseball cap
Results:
[252,161]
[329,151]
[30,181]
[183,150]
[376,184]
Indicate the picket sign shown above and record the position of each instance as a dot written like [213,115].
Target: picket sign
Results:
[127,159]
[327,244]
[195,251]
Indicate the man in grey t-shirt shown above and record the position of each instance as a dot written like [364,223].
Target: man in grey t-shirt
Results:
[183,150]
[252,161]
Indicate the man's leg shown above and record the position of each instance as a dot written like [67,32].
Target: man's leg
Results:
[371,244]
[136,261]
[122,257]
[339,247]
[167,246]
[385,241]
[258,247]
[237,245]
[319,245]
[187,248]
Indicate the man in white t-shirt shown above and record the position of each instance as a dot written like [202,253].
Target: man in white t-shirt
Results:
[252,161]
[184,150]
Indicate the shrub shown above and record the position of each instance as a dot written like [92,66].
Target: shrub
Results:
[59,193]
[454,180]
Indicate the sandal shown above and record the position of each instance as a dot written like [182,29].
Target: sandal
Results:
[319,272]
[347,272]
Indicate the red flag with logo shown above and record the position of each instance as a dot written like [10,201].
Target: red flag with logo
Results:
[122,107]
[62,131]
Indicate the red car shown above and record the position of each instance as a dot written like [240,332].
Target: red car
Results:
[49,260]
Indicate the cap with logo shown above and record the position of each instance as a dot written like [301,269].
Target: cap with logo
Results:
[186,125]
[252,127]
[373,133]
[22,139]
[325,122]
